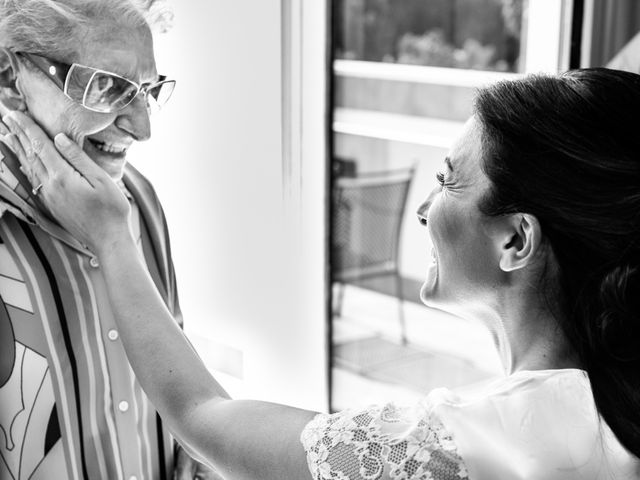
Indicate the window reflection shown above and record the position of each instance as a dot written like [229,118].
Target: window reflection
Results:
[396,116]
[469,34]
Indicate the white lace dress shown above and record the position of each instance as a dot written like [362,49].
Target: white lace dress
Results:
[530,425]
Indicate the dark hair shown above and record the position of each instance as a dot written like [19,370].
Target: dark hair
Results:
[566,149]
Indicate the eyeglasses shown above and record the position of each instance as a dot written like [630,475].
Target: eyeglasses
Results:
[99,90]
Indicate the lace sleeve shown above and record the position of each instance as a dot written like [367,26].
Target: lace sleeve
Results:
[381,443]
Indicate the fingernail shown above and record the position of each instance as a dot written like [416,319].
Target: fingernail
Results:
[62,140]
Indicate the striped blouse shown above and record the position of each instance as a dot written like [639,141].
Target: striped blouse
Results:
[70,405]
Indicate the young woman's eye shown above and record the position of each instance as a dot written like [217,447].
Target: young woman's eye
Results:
[440,178]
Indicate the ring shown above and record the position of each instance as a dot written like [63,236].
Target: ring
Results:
[36,190]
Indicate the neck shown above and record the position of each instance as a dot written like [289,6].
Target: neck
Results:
[525,331]
[529,336]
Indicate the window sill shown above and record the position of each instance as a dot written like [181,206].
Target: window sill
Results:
[396,127]
[457,77]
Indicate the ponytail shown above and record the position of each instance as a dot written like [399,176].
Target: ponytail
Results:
[610,316]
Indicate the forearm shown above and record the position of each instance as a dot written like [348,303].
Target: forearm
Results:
[169,370]
[242,439]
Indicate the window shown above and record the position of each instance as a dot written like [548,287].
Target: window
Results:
[405,74]
[469,34]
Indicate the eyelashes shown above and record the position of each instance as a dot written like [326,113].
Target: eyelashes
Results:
[441,177]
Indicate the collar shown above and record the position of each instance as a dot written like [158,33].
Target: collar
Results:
[125,190]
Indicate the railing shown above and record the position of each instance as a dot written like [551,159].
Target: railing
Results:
[456,77]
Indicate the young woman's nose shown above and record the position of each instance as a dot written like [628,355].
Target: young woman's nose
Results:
[423,209]
[422,214]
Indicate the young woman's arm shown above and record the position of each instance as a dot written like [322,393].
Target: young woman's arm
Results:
[242,439]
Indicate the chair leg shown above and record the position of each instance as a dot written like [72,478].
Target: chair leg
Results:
[400,297]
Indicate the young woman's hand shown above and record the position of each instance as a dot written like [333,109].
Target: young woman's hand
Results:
[76,191]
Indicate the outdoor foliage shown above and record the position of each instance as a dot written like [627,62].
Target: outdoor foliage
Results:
[476,34]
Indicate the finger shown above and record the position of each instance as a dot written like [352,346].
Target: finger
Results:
[4,110]
[12,141]
[78,159]
[32,137]
[16,147]
[4,130]
[16,129]
[32,165]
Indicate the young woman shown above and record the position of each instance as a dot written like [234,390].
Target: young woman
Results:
[536,231]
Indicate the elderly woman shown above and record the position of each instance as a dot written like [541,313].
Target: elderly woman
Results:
[70,406]
[536,231]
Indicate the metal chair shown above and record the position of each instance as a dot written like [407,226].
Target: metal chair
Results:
[368,210]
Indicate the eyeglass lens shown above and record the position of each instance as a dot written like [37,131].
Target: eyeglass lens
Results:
[105,92]
[161,92]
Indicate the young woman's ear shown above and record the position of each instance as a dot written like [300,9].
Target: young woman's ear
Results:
[521,243]
[10,94]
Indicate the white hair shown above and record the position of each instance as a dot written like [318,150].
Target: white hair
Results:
[55,27]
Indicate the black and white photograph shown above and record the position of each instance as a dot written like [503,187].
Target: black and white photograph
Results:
[319,240]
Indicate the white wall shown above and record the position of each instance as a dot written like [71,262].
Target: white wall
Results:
[216,160]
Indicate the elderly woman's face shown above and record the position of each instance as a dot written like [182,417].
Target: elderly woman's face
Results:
[464,259]
[105,137]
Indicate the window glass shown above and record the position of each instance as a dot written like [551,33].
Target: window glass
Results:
[393,124]
[469,34]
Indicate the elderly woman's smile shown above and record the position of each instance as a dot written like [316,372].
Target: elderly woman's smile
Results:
[116,148]
[104,136]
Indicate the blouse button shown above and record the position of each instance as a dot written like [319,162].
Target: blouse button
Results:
[123,406]
[94,262]
[113,334]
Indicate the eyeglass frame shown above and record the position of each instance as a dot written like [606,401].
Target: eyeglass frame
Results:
[61,70]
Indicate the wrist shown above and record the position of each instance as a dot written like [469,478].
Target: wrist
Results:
[116,242]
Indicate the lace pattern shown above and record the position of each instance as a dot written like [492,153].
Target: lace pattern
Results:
[381,443]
